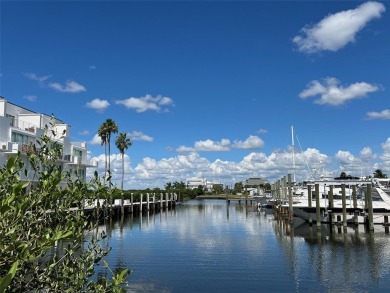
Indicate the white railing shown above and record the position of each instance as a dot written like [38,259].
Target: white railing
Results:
[23,125]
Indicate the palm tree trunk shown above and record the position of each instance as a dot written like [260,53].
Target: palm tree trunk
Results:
[123,175]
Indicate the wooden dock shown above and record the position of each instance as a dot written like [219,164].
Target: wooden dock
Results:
[147,203]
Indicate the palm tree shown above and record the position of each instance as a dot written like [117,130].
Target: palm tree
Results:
[122,143]
[103,136]
[106,129]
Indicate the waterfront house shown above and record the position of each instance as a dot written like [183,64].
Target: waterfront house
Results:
[20,128]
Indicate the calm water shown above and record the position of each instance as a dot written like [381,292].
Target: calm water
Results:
[209,246]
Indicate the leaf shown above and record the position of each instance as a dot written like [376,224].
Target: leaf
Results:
[5,281]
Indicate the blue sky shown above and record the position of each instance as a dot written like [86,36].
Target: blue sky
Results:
[209,88]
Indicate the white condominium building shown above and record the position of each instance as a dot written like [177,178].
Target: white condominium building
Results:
[193,183]
[20,127]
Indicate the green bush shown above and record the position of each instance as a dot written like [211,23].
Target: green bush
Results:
[36,220]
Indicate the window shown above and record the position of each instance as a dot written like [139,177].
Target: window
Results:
[20,138]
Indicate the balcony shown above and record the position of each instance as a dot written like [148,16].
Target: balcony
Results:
[14,148]
[23,125]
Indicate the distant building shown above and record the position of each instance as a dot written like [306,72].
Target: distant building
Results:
[20,127]
[194,183]
[254,186]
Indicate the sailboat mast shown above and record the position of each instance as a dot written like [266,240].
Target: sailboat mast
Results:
[293,151]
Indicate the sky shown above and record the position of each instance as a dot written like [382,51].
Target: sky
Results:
[209,89]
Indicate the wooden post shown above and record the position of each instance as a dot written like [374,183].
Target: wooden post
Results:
[309,203]
[386,223]
[331,203]
[370,209]
[344,205]
[290,201]
[147,202]
[355,216]
[140,203]
[318,208]
[166,200]
[161,200]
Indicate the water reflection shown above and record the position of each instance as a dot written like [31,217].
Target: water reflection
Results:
[211,246]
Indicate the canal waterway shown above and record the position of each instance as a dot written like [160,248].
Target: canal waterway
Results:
[212,246]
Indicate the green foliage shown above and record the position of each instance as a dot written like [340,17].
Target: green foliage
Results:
[379,174]
[218,188]
[44,245]
[238,187]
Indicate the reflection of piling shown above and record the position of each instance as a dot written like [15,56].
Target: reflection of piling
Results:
[344,205]
[131,203]
[318,210]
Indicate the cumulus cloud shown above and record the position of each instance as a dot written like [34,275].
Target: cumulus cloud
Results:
[309,164]
[252,142]
[335,31]
[96,140]
[70,86]
[385,114]
[331,92]
[98,105]
[146,103]
[367,154]
[138,135]
[207,146]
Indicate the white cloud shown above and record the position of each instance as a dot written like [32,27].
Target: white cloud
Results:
[385,114]
[40,79]
[96,140]
[138,135]
[309,164]
[366,154]
[262,131]
[337,30]
[69,87]
[30,98]
[146,103]
[386,146]
[98,104]
[332,93]
[252,142]
[212,146]
[207,146]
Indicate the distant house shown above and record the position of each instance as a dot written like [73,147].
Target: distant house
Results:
[20,128]
[193,183]
[254,186]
